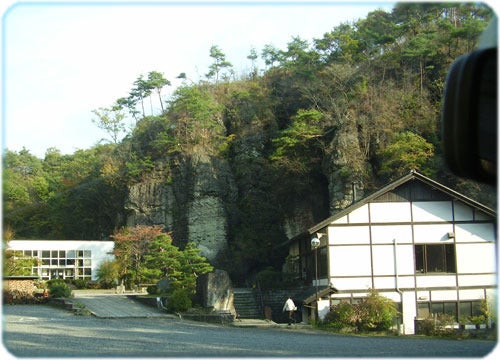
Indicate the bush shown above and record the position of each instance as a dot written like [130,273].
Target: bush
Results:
[373,313]
[437,325]
[58,288]
[376,313]
[81,283]
[179,301]
[269,278]
[340,316]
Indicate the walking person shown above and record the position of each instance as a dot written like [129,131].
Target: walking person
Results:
[290,307]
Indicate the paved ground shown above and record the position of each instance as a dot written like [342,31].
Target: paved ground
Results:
[107,304]
[47,331]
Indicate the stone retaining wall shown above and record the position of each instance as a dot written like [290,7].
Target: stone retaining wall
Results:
[22,285]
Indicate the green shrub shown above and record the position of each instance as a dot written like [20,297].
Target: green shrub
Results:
[269,278]
[81,283]
[373,313]
[179,301]
[340,316]
[58,288]
[428,327]
[438,325]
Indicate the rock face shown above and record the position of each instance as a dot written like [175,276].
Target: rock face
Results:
[344,167]
[199,197]
[207,217]
[189,197]
[151,200]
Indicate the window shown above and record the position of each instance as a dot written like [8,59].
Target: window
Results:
[63,264]
[322,262]
[470,308]
[426,309]
[423,311]
[435,258]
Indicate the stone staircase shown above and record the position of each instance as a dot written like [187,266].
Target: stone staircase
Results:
[246,304]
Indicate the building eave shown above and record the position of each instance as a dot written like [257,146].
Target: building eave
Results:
[411,176]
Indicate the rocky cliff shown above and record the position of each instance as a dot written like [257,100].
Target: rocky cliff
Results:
[190,197]
[215,202]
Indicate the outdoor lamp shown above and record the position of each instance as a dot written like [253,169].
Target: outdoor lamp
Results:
[314,244]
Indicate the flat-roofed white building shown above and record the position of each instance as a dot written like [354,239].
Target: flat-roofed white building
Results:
[65,259]
[428,248]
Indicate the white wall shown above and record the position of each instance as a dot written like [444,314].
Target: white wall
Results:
[432,211]
[100,250]
[354,249]
[390,212]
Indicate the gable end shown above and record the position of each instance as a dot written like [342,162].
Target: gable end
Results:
[413,190]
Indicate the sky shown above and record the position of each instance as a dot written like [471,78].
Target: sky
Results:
[61,60]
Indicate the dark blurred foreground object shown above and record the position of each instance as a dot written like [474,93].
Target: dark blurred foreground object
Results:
[469,115]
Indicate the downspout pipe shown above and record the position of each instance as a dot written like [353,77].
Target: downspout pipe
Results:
[394,241]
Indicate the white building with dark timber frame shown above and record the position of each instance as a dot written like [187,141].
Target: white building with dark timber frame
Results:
[428,248]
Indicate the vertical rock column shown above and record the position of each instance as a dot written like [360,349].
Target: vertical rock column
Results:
[207,218]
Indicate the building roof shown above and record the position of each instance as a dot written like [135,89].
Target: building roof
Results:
[308,295]
[413,175]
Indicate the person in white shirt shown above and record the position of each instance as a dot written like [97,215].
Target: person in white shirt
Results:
[290,307]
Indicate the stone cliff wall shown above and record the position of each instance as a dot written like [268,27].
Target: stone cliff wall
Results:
[150,202]
[189,197]
[196,196]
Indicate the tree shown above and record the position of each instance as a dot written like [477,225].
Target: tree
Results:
[422,49]
[253,58]
[378,31]
[26,191]
[108,273]
[157,82]
[181,268]
[299,146]
[192,266]
[299,57]
[15,263]
[270,54]
[340,45]
[407,152]
[162,260]
[129,103]
[197,117]
[220,63]
[141,91]
[111,121]
[131,245]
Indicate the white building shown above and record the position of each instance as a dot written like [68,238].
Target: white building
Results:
[428,248]
[65,259]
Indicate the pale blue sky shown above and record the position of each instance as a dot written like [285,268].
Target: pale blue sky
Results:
[62,60]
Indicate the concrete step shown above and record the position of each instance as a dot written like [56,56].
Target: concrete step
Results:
[246,305]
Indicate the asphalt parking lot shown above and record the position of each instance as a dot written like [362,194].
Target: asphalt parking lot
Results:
[48,331]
